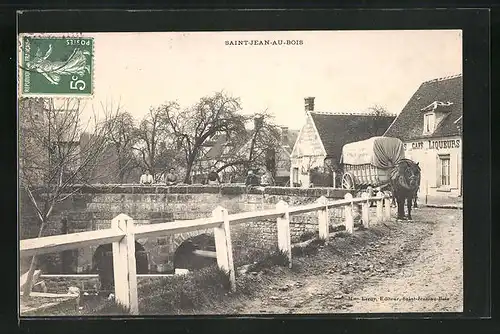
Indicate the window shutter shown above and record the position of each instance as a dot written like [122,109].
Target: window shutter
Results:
[436,182]
[454,171]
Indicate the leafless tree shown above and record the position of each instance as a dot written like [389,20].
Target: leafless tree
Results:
[122,136]
[257,148]
[191,127]
[378,110]
[380,120]
[53,160]
[154,138]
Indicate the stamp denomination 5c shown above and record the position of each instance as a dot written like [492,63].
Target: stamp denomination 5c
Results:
[56,66]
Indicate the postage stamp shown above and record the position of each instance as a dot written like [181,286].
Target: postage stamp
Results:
[56,66]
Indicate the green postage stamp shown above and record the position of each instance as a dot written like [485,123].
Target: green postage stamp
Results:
[57,66]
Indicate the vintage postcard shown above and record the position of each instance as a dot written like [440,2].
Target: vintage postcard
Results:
[243,173]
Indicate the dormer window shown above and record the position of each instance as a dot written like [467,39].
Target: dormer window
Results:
[434,114]
[429,122]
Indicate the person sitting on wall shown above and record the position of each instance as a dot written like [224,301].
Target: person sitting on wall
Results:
[146,178]
[213,177]
[266,179]
[171,178]
[252,179]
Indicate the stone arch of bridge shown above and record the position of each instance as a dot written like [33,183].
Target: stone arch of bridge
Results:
[180,238]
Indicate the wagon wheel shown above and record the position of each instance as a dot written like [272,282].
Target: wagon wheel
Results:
[347,181]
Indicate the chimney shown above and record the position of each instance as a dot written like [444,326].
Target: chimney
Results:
[257,122]
[284,134]
[309,104]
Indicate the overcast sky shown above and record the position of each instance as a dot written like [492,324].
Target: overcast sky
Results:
[346,71]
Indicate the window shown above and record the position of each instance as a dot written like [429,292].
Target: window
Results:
[295,175]
[429,123]
[444,170]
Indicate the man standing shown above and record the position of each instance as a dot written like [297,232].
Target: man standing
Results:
[146,178]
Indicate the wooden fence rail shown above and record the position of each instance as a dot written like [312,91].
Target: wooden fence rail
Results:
[123,234]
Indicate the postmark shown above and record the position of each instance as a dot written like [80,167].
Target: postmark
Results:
[56,66]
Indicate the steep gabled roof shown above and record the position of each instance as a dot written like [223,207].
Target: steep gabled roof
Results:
[336,130]
[409,124]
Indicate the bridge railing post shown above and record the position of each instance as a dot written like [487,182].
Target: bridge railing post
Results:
[323,221]
[223,245]
[387,208]
[365,210]
[380,206]
[348,213]
[124,265]
[284,237]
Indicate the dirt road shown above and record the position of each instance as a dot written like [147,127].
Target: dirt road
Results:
[391,267]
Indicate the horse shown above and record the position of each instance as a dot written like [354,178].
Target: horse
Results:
[415,197]
[405,181]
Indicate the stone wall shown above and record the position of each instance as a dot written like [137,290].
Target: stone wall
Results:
[93,207]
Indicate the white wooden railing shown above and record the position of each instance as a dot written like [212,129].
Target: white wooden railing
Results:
[123,234]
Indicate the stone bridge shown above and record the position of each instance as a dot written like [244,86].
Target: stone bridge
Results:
[93,207]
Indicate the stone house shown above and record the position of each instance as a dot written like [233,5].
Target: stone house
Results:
[320,141]
[430,126]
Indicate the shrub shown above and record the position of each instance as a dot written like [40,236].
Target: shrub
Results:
[310,249]
[308,235]
[275,258]
[184,292]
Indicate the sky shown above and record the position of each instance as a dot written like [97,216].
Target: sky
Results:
[346,71]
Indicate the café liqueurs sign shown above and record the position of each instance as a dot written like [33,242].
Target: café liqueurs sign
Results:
[433,145]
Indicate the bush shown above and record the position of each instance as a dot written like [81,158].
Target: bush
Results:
[308,235]
[176,293]
[309,249]
[275,258]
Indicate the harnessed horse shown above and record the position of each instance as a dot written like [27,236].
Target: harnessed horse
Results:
[405,181]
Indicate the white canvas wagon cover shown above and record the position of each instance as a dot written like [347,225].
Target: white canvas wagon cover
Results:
[381,152]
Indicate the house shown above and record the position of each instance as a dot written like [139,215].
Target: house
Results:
[320,141]
[213,153]
[49,140]
[271,147]
[33,155]
[283,160]
[430,126]
[220,151]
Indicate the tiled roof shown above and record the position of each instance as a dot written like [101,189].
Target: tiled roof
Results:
[290,140]
[409,124]
[217,147]
[219,142]
[336,130]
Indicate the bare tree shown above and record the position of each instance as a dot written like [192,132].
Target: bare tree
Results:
[154,138]
[379,122]
[52,157]
[191,127]
[378,110]
[122,136]
[259,147]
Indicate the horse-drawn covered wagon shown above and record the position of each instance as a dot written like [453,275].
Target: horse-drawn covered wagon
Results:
[379,162]
[369,163]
